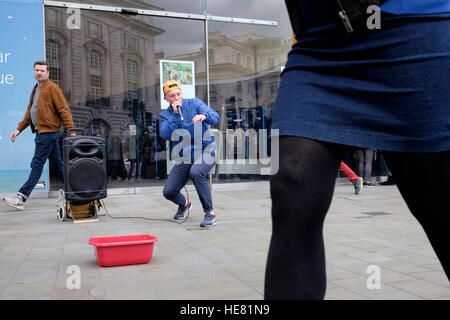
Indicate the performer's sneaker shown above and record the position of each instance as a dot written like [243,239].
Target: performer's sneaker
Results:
[15,202]
[209,220]
[182,211]
[358,185]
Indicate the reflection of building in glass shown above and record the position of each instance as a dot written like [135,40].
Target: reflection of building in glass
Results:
[105,68]
[109,71]
[244,76]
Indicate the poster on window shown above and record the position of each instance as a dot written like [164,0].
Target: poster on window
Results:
[181,71]
[22,34]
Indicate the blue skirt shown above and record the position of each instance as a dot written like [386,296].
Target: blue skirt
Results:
[387,89]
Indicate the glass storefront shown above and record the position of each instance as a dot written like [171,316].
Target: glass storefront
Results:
[108,66]
[108,57]
[186,6]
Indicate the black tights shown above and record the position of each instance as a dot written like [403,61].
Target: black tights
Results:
[302,191]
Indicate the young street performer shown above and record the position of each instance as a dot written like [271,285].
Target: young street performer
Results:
[188,114]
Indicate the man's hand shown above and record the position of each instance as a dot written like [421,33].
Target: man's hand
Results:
[199,117]
[14,135]
[174,108]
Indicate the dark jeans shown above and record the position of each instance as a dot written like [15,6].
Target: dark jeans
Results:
[180,175]
[302,191]
[47,147]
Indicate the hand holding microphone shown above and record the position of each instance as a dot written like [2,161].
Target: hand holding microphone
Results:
[197,118]
[179,111]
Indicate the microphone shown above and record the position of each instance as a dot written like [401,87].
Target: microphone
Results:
[179,111]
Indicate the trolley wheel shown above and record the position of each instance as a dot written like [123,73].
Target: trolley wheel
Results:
[61,214]
[61,211]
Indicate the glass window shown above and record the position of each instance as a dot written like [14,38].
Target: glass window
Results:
[130,42]
[211,56]
[245,74]
[272,10]
[132,79]
[94,62]
[122,75]
[95,30]
[96,86]
[188,6]
[114,84]
[95,79]
[52,57]
[53,17]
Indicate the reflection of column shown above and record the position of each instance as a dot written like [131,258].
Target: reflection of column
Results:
[245,129]
[238,114]
[256,79]
[223,118]
[263,118]
[156,150]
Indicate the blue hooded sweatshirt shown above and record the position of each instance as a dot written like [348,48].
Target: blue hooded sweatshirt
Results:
[171,121]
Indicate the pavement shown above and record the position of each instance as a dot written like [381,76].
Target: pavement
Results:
[375,249]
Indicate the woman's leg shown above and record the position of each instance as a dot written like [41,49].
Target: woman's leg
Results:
[424,182]
[360,158]
[301,194]
[368,159]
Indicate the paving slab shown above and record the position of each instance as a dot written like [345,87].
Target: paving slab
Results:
[227,261]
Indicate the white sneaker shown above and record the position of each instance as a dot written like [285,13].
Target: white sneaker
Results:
[15,202]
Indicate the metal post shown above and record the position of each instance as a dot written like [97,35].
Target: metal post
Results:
[207,76]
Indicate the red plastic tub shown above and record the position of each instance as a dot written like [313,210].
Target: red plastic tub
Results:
[123,250]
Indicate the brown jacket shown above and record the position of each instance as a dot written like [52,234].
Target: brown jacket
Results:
[52,109]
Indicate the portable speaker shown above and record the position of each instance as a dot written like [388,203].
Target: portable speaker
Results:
[84,168]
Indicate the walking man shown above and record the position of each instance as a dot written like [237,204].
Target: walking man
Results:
[46,111]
